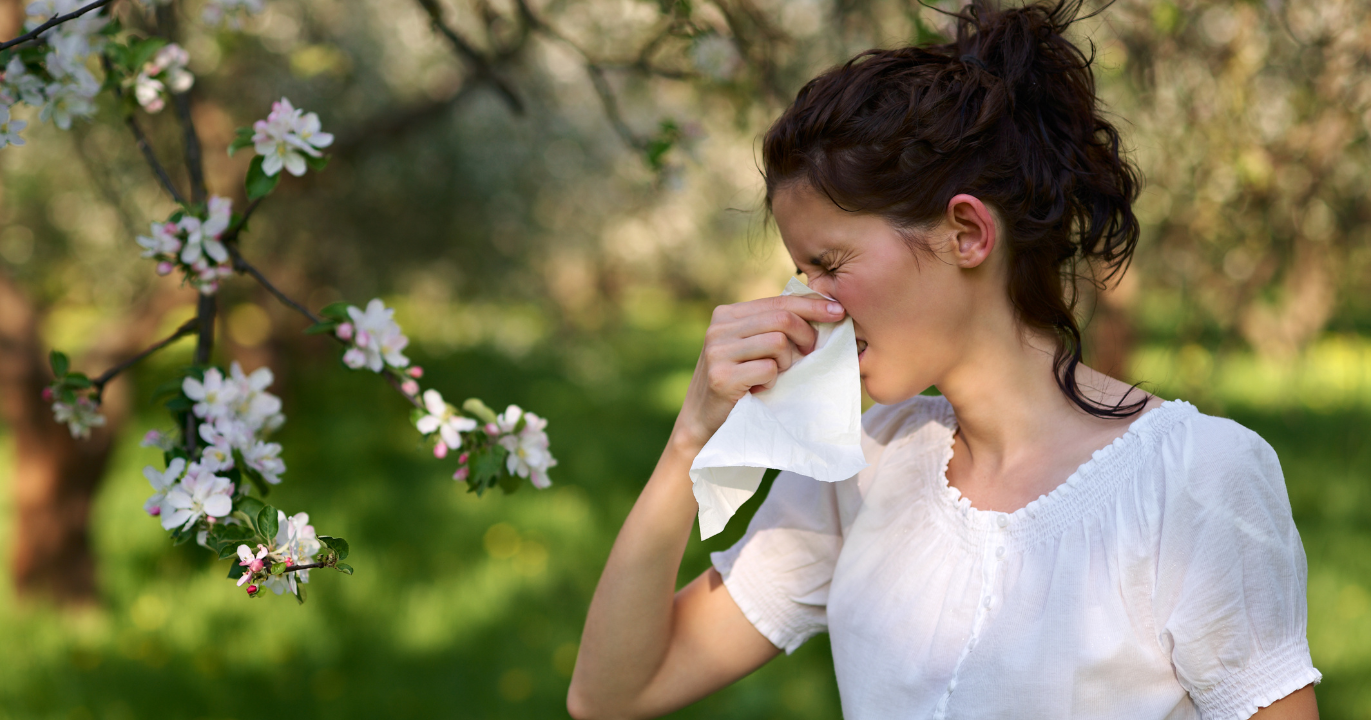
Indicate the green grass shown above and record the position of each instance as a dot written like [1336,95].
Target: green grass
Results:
[471,608]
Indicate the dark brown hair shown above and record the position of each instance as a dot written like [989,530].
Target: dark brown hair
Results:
[1005,112]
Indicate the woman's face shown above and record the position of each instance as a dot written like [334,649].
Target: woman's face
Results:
[911,308]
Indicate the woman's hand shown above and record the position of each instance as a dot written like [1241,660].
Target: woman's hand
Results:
[747,345]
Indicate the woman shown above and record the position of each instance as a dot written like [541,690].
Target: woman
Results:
[1040,541]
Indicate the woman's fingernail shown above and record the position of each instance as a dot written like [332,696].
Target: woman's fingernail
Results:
[835,308]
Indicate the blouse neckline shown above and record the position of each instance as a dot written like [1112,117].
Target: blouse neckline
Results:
[1088,481]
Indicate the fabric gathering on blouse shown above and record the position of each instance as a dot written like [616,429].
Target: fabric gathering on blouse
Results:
[1163,579]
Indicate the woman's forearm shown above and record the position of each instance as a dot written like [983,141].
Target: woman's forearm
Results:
[629,625]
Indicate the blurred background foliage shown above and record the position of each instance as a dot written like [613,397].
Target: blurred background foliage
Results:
[559,244]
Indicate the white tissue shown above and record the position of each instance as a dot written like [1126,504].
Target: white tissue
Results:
[809,423]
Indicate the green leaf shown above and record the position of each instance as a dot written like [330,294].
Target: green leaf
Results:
[487,465]
[229,550]
[77,380]
[60,363]
[267,522]
[344,568]
[475,407]
[321,328]
[141,51]
[180,403]
[336,311]
[242,139]
[299,592]
[236,571]
[258,183]
[251,507]
[510,483]
[66,395]
[316,163]
[338,545]
[277,568]
[657,148]
[181,536]
[170,388]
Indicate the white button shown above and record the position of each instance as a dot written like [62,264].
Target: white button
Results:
[986,602]
[999,551]
[1002,521]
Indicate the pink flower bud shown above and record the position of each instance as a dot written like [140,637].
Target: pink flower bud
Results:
[462,473]
[211,519]
[462,459]
[363,338]
[415,371]
[344,332]
[252,590]
[155,510]
[440,450]
[290,562]
[47,394]
[255,566]
[165,267]
[409,387]
[491,429]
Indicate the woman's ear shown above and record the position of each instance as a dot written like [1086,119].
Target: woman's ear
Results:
[974,233]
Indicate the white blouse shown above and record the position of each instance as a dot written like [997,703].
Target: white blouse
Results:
[1163,579]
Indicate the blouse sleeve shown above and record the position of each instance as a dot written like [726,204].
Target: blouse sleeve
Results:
[779,572]
[1229,601]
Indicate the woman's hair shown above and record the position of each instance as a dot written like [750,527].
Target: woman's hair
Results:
[1005,112]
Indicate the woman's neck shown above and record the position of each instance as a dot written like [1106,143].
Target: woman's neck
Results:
[1007,400]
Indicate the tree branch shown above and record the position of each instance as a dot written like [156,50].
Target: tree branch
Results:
[141,140]
[243,266]
[608,99]
[52,23]
[480,65]
[187,328]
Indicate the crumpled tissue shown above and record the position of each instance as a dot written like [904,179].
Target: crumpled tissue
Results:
[808,422]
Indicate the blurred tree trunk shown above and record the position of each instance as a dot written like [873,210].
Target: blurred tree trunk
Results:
[55,475]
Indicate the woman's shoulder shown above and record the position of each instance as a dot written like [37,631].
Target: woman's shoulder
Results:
[885,424]
[1212,459]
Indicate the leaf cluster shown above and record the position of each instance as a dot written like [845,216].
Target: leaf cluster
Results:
[65,383]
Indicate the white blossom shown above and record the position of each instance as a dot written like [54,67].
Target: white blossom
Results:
[355,358]
[214,398]
[202,236]
[264,457]
[9,129]
[162,241]
[162,481]
[66,101]
[295,541]
[256,407]
[199,493]
[286,136]
[378,336]
[443,419]
[148,92]
[22,84]
[529,456]
[79,417]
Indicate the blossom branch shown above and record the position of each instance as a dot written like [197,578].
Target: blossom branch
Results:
[189,327]
[141,140]
[52,23]
[243,266]
[478,62]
